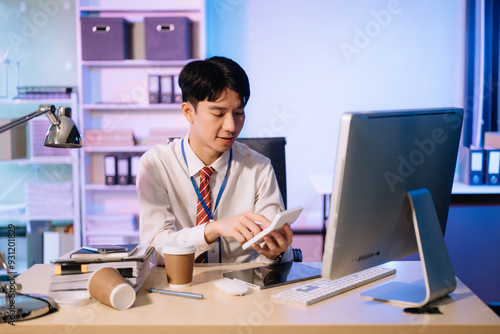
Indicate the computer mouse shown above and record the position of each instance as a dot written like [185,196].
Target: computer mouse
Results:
[231,287]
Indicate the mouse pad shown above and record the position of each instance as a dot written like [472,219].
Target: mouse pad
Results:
[274,274]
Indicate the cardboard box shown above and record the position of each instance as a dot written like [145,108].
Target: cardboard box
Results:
[13,142]
[492,139]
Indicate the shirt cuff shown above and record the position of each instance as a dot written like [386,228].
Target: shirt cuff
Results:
[197,237]
[287,255]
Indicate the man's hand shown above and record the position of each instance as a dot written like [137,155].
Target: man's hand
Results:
[241,227]
[275,242]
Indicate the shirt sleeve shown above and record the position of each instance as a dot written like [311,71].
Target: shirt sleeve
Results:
[268,202]
[157,222]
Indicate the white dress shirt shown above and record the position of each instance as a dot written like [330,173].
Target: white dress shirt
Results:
[168,201]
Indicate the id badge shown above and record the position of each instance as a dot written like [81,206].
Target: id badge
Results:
[213,254]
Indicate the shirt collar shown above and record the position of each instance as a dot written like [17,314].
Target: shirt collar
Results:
[195,164]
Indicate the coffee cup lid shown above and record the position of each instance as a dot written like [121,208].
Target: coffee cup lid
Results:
[178,248]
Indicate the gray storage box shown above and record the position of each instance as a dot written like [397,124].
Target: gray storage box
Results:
[168,38]
[105,38]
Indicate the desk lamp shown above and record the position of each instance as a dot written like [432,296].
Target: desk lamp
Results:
[62,133]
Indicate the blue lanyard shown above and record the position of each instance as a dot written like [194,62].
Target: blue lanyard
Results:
[221,190]
[197,190]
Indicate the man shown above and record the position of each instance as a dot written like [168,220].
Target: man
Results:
[207,188]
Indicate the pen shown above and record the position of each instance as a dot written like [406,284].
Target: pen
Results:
[177,293]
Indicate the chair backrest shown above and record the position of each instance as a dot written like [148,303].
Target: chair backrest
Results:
[274,149]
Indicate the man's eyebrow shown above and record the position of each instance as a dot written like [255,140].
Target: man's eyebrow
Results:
[216,107]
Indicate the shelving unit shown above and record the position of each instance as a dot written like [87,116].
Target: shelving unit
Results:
[37,167]
[115,95]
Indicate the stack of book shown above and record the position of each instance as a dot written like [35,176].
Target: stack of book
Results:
[72,271]
[108,223]
[61,199]
[110,137]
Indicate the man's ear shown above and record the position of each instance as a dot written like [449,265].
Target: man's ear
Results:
[188,111]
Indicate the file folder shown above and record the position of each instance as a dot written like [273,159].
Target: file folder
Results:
[493,166]
[154,89]
[123,169]
[177,90]
[110,169]
[472,161]
[134,165]
[166,89]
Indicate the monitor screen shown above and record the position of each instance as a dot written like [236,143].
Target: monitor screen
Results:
[382,157]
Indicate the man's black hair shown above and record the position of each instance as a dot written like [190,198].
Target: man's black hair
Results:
[207,79]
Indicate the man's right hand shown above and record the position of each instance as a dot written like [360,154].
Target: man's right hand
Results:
[241,227]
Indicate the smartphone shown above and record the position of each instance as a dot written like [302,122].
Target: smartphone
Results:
[104,249]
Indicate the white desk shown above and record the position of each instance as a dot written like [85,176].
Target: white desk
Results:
[255,312]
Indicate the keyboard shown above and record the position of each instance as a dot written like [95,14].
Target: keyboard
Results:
[323,288]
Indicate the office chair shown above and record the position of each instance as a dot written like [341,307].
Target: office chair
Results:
[495,307]
[274,149]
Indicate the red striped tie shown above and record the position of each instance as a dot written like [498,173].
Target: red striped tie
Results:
[201,215]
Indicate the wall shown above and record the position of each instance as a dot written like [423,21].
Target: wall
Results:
[34,33]
[310,61]
[38,36]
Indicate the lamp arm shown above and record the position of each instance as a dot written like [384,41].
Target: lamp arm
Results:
[42,109]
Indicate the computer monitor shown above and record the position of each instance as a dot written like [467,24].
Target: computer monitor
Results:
[391,194]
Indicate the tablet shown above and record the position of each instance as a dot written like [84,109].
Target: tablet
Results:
[275,274]
[282,218]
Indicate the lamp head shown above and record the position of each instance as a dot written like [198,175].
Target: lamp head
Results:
[63,132]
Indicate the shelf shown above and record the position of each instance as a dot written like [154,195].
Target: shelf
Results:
[104,187]
[132,107]
[465,189]
[113,234]
[116,149]
[169,6]
[115,96]
[33,218]
[41,161]
[54,101]
[130,63]
[24,218]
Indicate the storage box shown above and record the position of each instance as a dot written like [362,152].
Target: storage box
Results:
[168,38]
[13,142]
[105,38]
[492,139]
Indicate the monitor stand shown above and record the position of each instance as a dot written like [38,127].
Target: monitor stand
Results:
[439,277]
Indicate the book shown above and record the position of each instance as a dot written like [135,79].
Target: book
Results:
[80,281]
[140,255]
[76,268]
[72,274]
[82,254]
